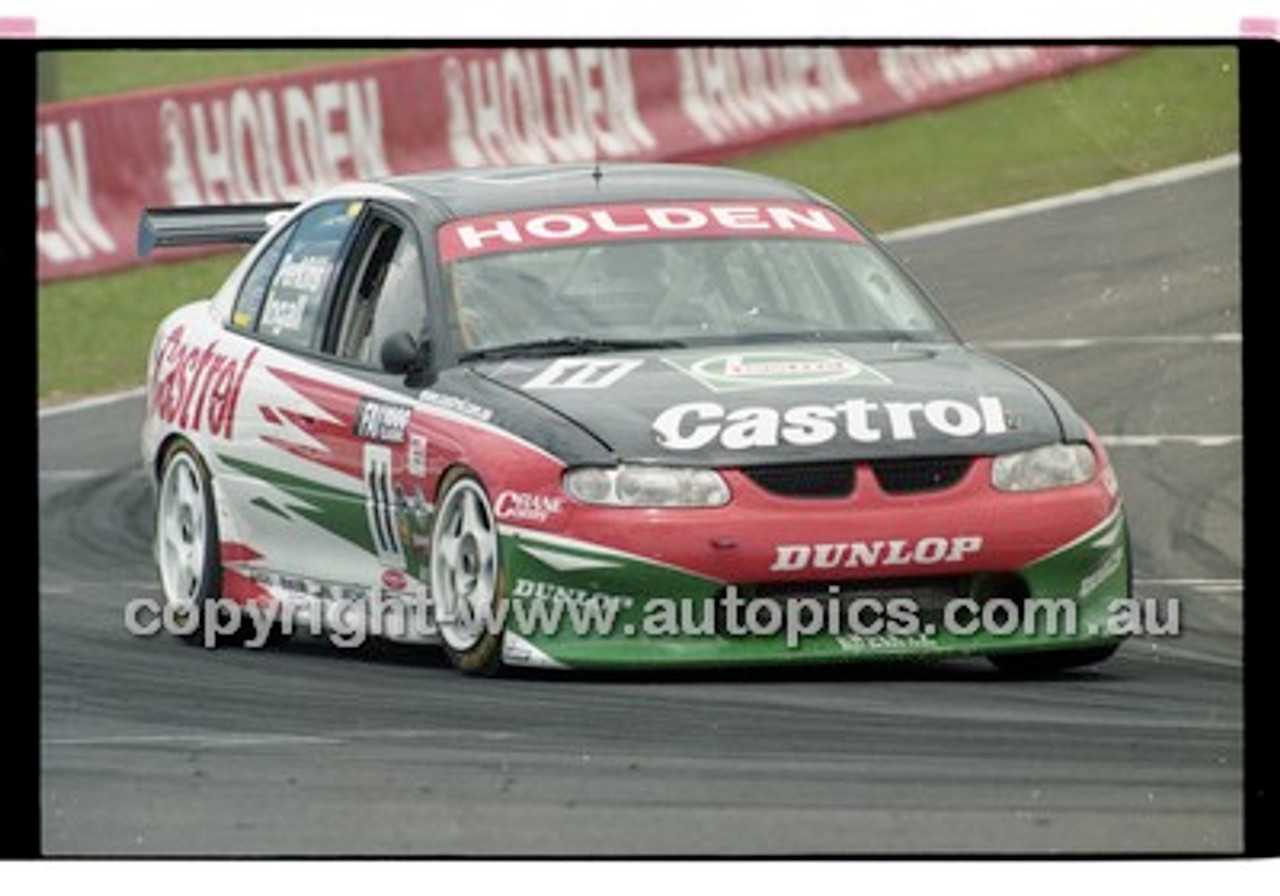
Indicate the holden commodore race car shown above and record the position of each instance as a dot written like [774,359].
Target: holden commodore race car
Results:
[639,415]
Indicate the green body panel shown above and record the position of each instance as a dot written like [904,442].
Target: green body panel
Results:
[1084,579]
[582,605]
[342,513]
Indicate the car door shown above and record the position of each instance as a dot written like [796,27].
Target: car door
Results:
[329,470]
[383,294]
[292,494]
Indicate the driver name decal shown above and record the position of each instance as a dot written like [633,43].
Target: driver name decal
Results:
[698,424]
[569,226]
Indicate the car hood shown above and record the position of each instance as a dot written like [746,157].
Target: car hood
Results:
[794,402]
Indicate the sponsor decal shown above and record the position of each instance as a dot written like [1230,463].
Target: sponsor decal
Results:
[307,274]
[69,227]
[697,424]
[296,587]
[414,518]
[758,369]
[921,642]
[582,373]
[929,551]
[453,403]
[536,106]
[416,461]
[471,237]
[382,421]
[395,579]
[916,71]
[1104,571]
[198,387]
[530,589]
[530,508]
[296,584]
[284,313]
[282,142]
[727,92]
[381,505]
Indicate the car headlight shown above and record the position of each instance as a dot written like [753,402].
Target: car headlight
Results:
[645,486]
[1051,466]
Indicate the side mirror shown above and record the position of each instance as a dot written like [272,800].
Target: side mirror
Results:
[401,353]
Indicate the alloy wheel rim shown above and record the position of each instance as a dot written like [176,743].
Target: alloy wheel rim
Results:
[464,568]
[182,533]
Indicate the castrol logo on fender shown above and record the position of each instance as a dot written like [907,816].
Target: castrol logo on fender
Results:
[197,386]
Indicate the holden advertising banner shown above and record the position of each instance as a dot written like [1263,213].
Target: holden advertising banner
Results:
[99,162]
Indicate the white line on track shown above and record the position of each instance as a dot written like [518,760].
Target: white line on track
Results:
[1079,197]
[86,404]
[1227,592]
[216,741]
[1193,583]
[193,740]
[71,475]
[1218,440]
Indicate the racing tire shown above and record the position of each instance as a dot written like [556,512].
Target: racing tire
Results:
[1047,662]
[186,546]
[466,575]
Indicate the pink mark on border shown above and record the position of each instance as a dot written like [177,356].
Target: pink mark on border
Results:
[1260,27]
[15,26]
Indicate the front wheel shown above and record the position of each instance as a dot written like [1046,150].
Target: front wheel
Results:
[186,542]
[466,575]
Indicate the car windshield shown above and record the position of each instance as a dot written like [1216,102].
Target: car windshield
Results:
[701,289]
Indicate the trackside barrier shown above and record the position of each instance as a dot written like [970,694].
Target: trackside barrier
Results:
[281,137]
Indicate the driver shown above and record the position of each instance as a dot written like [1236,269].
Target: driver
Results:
[471,296]
[636,267]
[496,303]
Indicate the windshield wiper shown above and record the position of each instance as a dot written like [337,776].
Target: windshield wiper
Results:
[565,345]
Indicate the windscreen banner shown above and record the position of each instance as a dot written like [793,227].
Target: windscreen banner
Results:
[285,136]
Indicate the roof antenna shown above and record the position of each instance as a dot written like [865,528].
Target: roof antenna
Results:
[596,172]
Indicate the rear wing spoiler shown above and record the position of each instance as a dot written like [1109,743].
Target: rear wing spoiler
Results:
[208,225]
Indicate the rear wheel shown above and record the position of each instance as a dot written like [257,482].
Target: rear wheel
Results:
[466,575]
[186,546]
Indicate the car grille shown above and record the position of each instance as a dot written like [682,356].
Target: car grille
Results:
[836,480]
[920,474]
[821,480]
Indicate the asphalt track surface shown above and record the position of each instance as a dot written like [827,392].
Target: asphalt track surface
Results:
[149,746]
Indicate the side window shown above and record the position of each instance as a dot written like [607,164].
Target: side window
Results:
[388,295]
[254,288]
[292,304]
